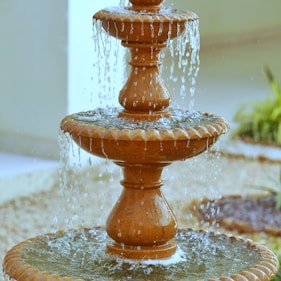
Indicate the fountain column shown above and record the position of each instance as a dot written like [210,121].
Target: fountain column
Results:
[142,223]
[145,95]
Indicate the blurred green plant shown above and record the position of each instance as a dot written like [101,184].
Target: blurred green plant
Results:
[261,121]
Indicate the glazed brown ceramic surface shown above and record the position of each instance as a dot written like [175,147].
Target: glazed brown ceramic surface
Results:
[148,146]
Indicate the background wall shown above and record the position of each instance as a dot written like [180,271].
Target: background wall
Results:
[46,56]
[228,17]
[84,62]
[33,75]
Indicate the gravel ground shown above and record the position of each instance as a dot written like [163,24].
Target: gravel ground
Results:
[91,193]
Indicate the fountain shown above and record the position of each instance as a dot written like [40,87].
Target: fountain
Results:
[141,240]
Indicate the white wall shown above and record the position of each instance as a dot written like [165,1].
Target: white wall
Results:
[84,63]
[33,75]
[46,70]
[228,17]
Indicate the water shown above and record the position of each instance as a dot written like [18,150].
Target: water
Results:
[81,254]
[183,65]
[179,118]
[83,178]
[109,60]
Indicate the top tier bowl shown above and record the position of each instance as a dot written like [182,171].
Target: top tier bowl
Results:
[131,26]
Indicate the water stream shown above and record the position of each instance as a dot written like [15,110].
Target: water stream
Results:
[179,62]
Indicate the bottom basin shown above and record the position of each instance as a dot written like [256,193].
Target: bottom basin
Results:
[80,254]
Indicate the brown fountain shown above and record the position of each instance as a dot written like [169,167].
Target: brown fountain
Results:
[141,228]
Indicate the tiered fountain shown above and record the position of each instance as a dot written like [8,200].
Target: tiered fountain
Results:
[141,240]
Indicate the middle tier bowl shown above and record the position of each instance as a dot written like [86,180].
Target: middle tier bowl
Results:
[183,135]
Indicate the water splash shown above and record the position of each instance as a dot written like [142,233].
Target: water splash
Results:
[108,117]
[80,254]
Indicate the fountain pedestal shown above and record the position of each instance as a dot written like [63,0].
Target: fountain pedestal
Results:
[141,223]
[145,95]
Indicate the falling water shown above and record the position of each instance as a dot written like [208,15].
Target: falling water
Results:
[109,66]
[180,65]
[184,65]
[70,165]
[123,4]
[85,181]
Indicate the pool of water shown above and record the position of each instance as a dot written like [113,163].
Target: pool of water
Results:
[81,254]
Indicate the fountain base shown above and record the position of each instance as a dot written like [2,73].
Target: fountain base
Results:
[80,254]
[141,116]
[135,252]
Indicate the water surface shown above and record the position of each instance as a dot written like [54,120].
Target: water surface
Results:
[179,118]
[81,254]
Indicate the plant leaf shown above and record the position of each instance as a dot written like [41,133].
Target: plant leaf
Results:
[274,85]
[260,120]
[276,113]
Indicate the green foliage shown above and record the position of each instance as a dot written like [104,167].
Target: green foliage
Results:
[261,120]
